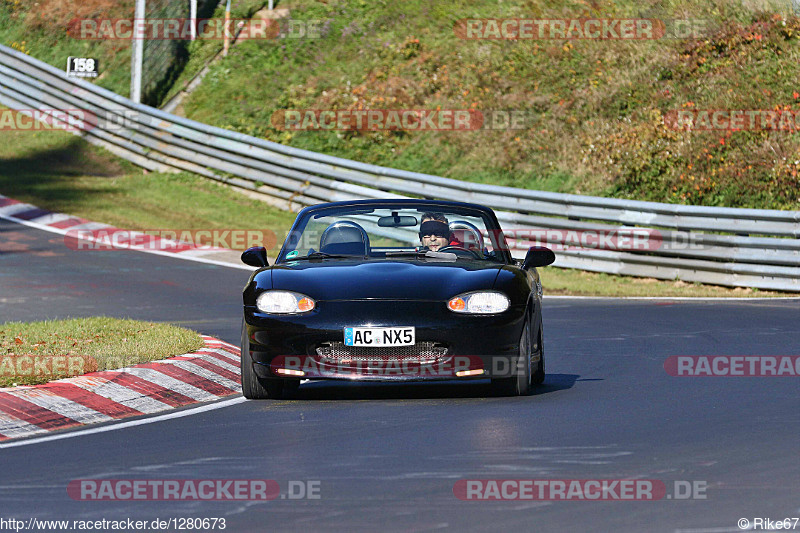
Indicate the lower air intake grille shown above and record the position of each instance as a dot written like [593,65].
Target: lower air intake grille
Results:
[423,352]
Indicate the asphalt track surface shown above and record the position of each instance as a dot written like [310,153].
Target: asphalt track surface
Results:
[387,457]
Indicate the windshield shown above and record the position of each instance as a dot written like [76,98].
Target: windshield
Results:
[392,232]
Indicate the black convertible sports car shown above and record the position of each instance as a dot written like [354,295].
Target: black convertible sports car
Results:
[393,290]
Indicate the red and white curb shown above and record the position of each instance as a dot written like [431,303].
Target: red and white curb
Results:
[30,215]
[210,373]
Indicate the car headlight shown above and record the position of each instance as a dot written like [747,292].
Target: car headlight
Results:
[284,302]
[481,303]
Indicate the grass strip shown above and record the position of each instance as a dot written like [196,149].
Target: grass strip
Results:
[37,352]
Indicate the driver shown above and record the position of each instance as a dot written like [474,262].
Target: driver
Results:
[434,232]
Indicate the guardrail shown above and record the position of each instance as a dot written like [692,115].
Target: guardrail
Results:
[724,246]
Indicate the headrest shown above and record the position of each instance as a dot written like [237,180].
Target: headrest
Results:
[343,234]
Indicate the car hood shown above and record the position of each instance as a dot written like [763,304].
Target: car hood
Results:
[384,279]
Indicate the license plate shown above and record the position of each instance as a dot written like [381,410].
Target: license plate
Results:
[377,337]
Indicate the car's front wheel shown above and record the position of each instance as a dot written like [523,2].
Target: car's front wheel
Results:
[254,387]
[520,383]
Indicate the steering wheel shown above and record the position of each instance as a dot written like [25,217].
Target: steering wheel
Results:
[450,247]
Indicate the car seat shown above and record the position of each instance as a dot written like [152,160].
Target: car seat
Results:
[467,234]
[344,238]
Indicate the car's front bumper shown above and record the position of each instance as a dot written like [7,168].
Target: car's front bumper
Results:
[490,342]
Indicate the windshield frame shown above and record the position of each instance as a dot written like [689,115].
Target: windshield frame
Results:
[501,250]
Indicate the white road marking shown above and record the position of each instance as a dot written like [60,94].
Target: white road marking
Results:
[227,356]
[219,362]
[119,394]
[213,341]
[12,209]
[14,427]
[227,349]
[51,218]
[60,405]
[89,226]
[122,425]
[205,373]
[168,382]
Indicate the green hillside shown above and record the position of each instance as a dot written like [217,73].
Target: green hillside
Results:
[597,106]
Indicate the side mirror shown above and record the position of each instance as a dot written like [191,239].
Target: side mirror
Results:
[538,256]
[255,257]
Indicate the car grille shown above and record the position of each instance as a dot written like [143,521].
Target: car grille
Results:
[422,352]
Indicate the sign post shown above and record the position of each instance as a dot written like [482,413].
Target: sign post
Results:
[137,55]
[193,17]
[226,32]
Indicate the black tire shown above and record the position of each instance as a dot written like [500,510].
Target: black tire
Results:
[538,375]
[520,383]
[254,387]
[524,363]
